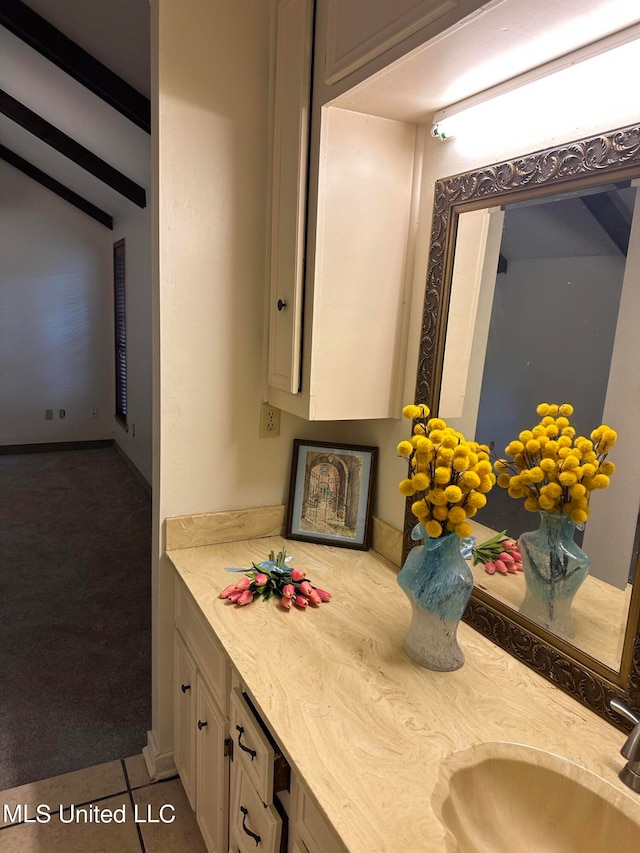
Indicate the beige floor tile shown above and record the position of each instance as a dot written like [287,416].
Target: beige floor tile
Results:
[81,786]
[58,837]
[181,836]
[137,771]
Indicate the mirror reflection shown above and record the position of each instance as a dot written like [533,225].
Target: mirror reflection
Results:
[544,306]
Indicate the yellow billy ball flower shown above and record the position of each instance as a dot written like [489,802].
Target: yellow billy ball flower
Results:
[419,429]
[538,431]
[568,431]
[566,409]
[571,461]
[524,478]
[504,481]
[546,502]
[450,441]
[536,474]
[501,465]
[445,455]
[531,504]
[579,516]
[414,440]
[456,515]
[437,497]
[551,431]
[583,444]
[436,423]
[473,458]
[407,488]
[463,529]
[607,468]
[525,435]
[548,465]
[568,478]
[442,474]
[516,492]
[564,441]
[433,528]
[460,463]
[476,500]
[553,490]
[462,450]
[422,459]
[411,412]
[470,480]
[405,448]
[486,483]
[553,408]
[562,422]
[600,481]
[577,490]
[483,468]
[547,421]
[453,494]
[425,411]
[436,436]
[533,446]
[513,448]
[470,511]
[543,409]
[420,482]
[588,470]
[440,513]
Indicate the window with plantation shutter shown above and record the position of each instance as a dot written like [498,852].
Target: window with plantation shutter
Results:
[120,323]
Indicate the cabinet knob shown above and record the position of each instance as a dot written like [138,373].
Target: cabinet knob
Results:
[185,687]
[281,304]
[201,725]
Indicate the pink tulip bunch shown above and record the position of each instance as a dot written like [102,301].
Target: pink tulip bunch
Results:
[508,561]
[273,578]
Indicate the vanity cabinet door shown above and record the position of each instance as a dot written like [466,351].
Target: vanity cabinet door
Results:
[184,740]
[292,91]
[253,825]
[212,770]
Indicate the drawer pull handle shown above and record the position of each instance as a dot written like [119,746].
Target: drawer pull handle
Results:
[185,687]
[281,304]
[201,725]
[245,813]
[244,748]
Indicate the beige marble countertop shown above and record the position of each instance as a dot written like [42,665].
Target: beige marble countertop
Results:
[365,727]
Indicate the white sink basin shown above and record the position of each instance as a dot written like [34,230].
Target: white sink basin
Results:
[508,798]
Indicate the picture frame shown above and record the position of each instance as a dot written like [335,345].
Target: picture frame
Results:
[330,497]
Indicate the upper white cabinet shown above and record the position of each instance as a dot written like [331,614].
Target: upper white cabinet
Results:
[343,209]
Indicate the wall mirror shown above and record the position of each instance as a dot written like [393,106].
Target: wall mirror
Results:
[533,294]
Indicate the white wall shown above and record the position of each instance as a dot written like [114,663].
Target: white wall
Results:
[135,228]
[56,316]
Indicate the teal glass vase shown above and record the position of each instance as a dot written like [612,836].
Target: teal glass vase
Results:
[438,583]
[554,567]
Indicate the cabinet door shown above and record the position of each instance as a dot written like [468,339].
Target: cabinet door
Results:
[253,826]
[288,204]
[212,770]
[184,741]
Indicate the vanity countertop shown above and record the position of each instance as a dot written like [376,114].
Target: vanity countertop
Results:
[364,726]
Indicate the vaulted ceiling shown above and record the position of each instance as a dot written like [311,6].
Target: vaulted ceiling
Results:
[74,108]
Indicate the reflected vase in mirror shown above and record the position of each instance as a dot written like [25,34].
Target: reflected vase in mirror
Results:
[438,583]
[554,568]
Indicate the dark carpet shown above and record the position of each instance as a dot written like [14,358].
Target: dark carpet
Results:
[75,612]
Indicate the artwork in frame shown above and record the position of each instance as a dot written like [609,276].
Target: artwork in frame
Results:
[331,492]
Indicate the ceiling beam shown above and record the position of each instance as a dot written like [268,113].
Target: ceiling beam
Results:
[42,36]
[45,131]
[55,186]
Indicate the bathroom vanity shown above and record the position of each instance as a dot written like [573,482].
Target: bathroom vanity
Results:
[357,737]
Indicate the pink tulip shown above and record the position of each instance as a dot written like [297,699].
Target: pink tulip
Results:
[508,544]
[261,579]
[306,588]
[246,597]
[235,595]
[226,592]
[285,603]
[300,601]
[506,557]
[518,567]
[501,567]
[490,568]
[297,574]
[323,594]
[288,590]
[511,568]
[243,583]
[314,598]
[517,556]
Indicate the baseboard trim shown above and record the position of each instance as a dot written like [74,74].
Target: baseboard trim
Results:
[137,473]
[159,765]
[48,446]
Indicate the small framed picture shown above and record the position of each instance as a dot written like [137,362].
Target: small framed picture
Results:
[330,494]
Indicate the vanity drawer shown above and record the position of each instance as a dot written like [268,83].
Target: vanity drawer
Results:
[252,824]
[255,750]
[311,833]
[212,660]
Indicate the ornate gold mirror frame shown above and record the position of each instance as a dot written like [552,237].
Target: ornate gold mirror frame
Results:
[608,157]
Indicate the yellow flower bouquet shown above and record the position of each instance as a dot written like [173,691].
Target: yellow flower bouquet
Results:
[448,476]
[553,469]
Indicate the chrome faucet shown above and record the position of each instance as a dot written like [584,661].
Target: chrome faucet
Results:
[630,773]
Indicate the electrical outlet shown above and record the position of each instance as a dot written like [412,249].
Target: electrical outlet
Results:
[48,414]
[269,421]
[62,413]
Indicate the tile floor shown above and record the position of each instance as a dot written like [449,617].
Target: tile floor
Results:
[122,788]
